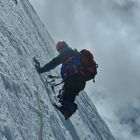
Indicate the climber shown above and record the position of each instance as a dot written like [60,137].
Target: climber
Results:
[72,75]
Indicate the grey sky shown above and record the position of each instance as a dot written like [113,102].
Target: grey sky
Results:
[111,30]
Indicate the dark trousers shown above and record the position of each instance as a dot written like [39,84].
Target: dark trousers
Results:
[72,87]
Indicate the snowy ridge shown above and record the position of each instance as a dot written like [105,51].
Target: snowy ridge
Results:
[26,112]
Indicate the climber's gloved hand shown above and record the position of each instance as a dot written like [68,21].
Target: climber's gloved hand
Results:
[38,68]
[37,65]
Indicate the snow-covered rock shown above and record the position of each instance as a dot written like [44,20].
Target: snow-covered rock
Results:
[26,111]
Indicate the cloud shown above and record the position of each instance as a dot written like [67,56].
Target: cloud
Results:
[110,29]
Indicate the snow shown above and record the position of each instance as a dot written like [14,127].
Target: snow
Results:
[26,111]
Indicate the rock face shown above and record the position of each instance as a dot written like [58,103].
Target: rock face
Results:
[26,112]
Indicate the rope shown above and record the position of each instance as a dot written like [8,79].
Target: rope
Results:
[40,128]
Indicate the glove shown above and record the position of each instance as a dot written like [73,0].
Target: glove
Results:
[37,65]
[38,68]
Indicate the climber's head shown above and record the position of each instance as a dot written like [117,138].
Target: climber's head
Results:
[61,46]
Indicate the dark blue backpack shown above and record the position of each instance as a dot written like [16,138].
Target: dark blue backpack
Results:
[70,67]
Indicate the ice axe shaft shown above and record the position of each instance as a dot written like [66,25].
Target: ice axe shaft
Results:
[53,77]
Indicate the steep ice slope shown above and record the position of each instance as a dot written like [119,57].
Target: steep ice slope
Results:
[26,112]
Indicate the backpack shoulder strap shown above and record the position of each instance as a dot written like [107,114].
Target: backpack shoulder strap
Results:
[76,51]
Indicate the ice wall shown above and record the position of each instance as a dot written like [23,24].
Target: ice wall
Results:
[26,112]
